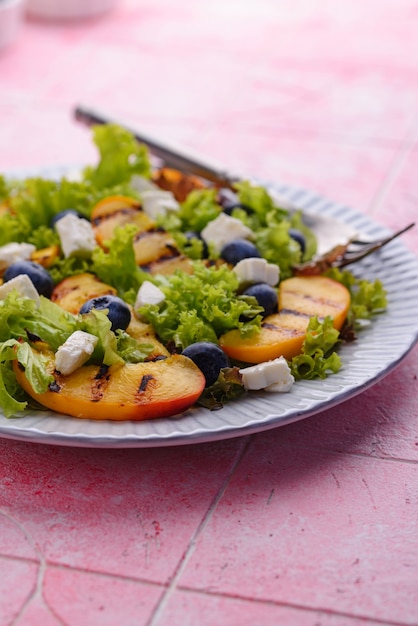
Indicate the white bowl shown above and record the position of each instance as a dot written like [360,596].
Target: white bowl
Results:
[11,18]
[68,9]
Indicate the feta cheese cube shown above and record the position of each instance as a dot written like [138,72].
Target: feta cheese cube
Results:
[13,252]
[74,352]
[158,202]
[76,235]
[271,376]
[148,293]
[141,184]
[224,229]
[23,285]
[257,270]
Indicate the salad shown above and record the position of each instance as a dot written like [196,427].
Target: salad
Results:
[135,293]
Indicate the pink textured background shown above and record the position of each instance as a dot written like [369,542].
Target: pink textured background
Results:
[311,524]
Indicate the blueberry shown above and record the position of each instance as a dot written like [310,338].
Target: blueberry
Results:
[237,250]
[265,295]
[299,237]
[209,358]
[229,201]
[119,313]
[40,277]
[63,213]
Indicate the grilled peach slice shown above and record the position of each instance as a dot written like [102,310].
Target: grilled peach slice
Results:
[116,211]
[178,183]
[283,333]
[137,391]
[156,252]
[169,264]
[72,292]
[46,256]
[155,249]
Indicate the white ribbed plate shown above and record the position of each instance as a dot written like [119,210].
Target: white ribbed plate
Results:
[377,351]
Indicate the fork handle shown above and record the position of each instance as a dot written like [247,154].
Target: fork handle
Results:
[170,155]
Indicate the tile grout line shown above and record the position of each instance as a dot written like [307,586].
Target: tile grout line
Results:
[401,156]
[172,586]
[298,607]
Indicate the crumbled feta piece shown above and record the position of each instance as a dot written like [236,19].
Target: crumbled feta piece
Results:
[141,184]
[23,285]
[224,229]
[271,376]
[158,202]
[13,252]
[148,293]
[76,235]
[74,352]
[257,270]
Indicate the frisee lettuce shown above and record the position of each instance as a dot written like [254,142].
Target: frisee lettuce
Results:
[198,209]
[12,397]
[368,298]
[121,156]
[117,265]
[201,306]
[317,358]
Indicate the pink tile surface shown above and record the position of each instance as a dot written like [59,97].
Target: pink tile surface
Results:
[313,523]
[140,508]
[316,517]
[76,597]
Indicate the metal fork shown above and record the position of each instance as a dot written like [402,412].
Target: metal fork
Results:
[343,255]
[357,249]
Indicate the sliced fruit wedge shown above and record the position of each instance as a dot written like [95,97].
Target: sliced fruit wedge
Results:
[116,211]
[283,333]
[178,183]
[155,249]
[137,391]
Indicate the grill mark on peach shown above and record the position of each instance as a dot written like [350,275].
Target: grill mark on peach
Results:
[146,233]
[99,383]
[166,258]
[122,211]
[145,380]
[155,231]
[314,299]
[293,312]
[284,330]
[145,389]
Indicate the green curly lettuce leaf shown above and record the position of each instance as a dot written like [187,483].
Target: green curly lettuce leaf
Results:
[20,317]
[12,396]
[199,208]
[116,265]
[4,188]
[368,298]
[227,387]
[121,156]
[201,306]
[317,359]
